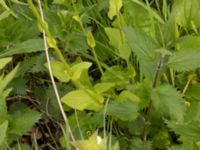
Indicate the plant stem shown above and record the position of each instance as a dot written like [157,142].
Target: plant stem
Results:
[149,108]
[51,74]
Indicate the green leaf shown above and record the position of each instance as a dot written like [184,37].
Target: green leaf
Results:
[103,87]
[4,61]
[184,60]
[138,144]
[189,41]
[59,71]
[144,47]
[127,95]
[31,45]
[193,91]
[4,81]
[3,131]
[22,121]
[78,69]
[168,102]
[114,8]
[114,36]
[118,41]
[83,99]
[4,14]
[189,129]
[125,110]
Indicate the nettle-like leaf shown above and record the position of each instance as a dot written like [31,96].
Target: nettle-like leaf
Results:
[184,60]
[114,8]
[138,144]
[22,121]
[189,41]
[144,47]
[125,110]
[31,45]
[189,129]
[168,102]
[83,99]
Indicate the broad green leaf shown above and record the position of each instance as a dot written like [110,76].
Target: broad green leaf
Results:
[4,81]
[162,139]
[4,61]
[114,8]
[184,60]
[114,36]
[103,87]
[124,51]
[22,121]
[127,95]
[193,111]
[138,144]
[193,91]
[78,69]
[83,99]
[144,47]
[3,131]
[189,129]
[189,41]
[167,101]
[125,110]
[59,71]
[90,39]
[31,45]
[93,143]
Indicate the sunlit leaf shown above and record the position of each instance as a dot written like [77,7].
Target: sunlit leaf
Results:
[114,8]
[83,99]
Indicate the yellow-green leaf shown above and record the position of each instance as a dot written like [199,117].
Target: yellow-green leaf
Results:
[77,69]
[83,99]
[103,87]
[114,8]
[4,61]
[90,40]
[59,71]
[93,143]
[127,95]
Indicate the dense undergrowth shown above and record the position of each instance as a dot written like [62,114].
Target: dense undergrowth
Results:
[126,71]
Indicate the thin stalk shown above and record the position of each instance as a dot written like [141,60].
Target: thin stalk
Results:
[44,26]
[149,108]
[51,74]
[85,33]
